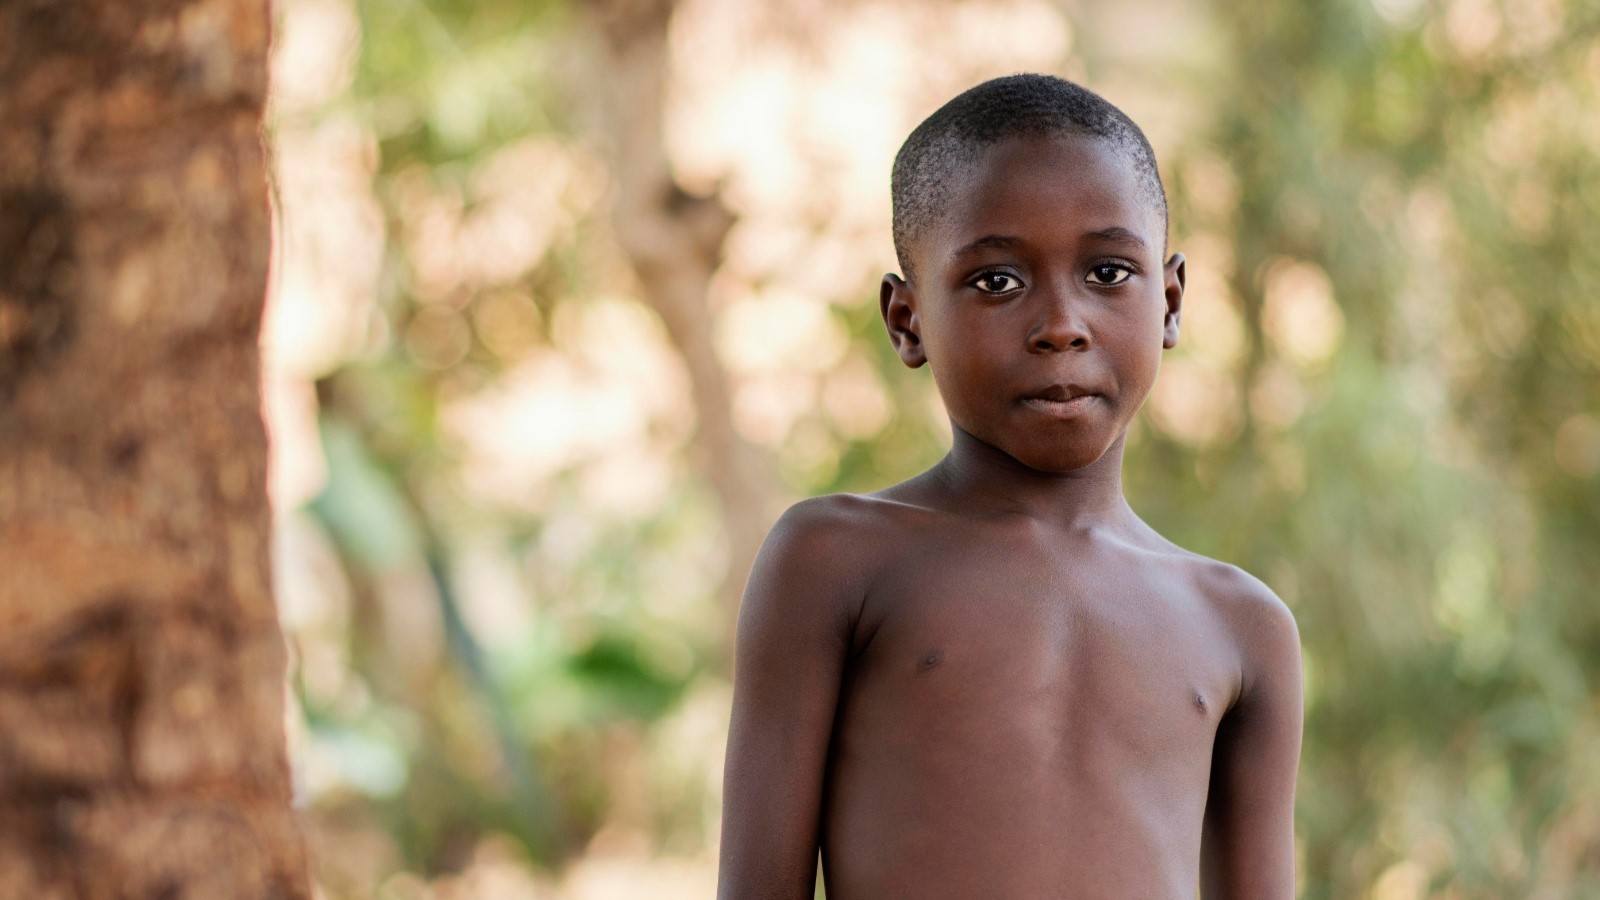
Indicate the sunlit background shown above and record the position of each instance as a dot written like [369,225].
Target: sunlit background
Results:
[571,299]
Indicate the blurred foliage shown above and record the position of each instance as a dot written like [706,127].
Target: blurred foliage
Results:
[1428,513]
[1386,404]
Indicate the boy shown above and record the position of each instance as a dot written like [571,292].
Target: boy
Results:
[994,680]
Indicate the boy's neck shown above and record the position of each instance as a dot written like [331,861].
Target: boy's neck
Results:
[983,478]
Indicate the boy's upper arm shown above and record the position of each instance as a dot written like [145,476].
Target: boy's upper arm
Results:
[1248,851]
[794,634]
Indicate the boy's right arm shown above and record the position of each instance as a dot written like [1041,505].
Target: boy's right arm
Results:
[793,638]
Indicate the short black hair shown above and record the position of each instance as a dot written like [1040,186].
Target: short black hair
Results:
[933,157]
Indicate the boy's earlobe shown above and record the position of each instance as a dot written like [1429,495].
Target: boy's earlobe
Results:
[1172,288]
[896,303]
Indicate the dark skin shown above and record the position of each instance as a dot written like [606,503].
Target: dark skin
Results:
[994,680]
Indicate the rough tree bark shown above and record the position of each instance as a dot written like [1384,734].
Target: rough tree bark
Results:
[675,241]
[141,732]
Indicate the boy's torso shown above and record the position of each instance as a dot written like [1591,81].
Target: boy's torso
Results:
[1027,711]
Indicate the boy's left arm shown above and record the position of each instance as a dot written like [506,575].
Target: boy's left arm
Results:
[1248,845]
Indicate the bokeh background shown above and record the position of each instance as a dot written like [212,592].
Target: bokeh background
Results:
[571,299]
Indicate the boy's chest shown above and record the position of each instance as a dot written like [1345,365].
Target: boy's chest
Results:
[1112,646]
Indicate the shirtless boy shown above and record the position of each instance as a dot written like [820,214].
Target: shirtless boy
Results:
[994,680]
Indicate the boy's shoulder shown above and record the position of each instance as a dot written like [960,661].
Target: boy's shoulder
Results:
[816,564]
[845,527]
[837,544]
[1246,599]
[838,528]
[1261,625]
[839,541]
[1228,585]
[1257,623]
[1221,581]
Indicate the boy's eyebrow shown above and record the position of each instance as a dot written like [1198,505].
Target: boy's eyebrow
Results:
[997,241]
[1119,235]
[1115,234]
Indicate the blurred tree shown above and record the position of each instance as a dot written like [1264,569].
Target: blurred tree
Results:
[454,91]
[141,666]
[674,240]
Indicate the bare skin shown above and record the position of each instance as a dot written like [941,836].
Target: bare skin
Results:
[994,680]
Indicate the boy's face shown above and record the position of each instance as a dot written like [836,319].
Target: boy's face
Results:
[1041,301]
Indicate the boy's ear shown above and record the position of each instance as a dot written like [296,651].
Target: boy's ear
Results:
[1172,288]
[897,304]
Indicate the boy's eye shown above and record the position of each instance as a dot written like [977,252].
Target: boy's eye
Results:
[996,283]
[1108,274]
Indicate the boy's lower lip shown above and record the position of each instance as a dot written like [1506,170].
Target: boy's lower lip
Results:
[1061,408]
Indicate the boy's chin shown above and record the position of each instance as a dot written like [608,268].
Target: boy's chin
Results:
[1059,461]
[1058,458]
[1038,452]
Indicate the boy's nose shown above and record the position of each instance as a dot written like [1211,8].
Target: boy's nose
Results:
[1061,329]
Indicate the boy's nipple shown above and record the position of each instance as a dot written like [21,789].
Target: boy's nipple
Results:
[929,660]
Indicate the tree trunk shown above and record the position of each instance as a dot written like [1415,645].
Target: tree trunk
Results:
[141,668]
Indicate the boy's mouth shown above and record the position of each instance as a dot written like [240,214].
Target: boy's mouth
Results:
[1061,400]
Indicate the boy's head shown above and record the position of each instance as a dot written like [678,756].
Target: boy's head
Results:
[949,142]
[1030,222]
